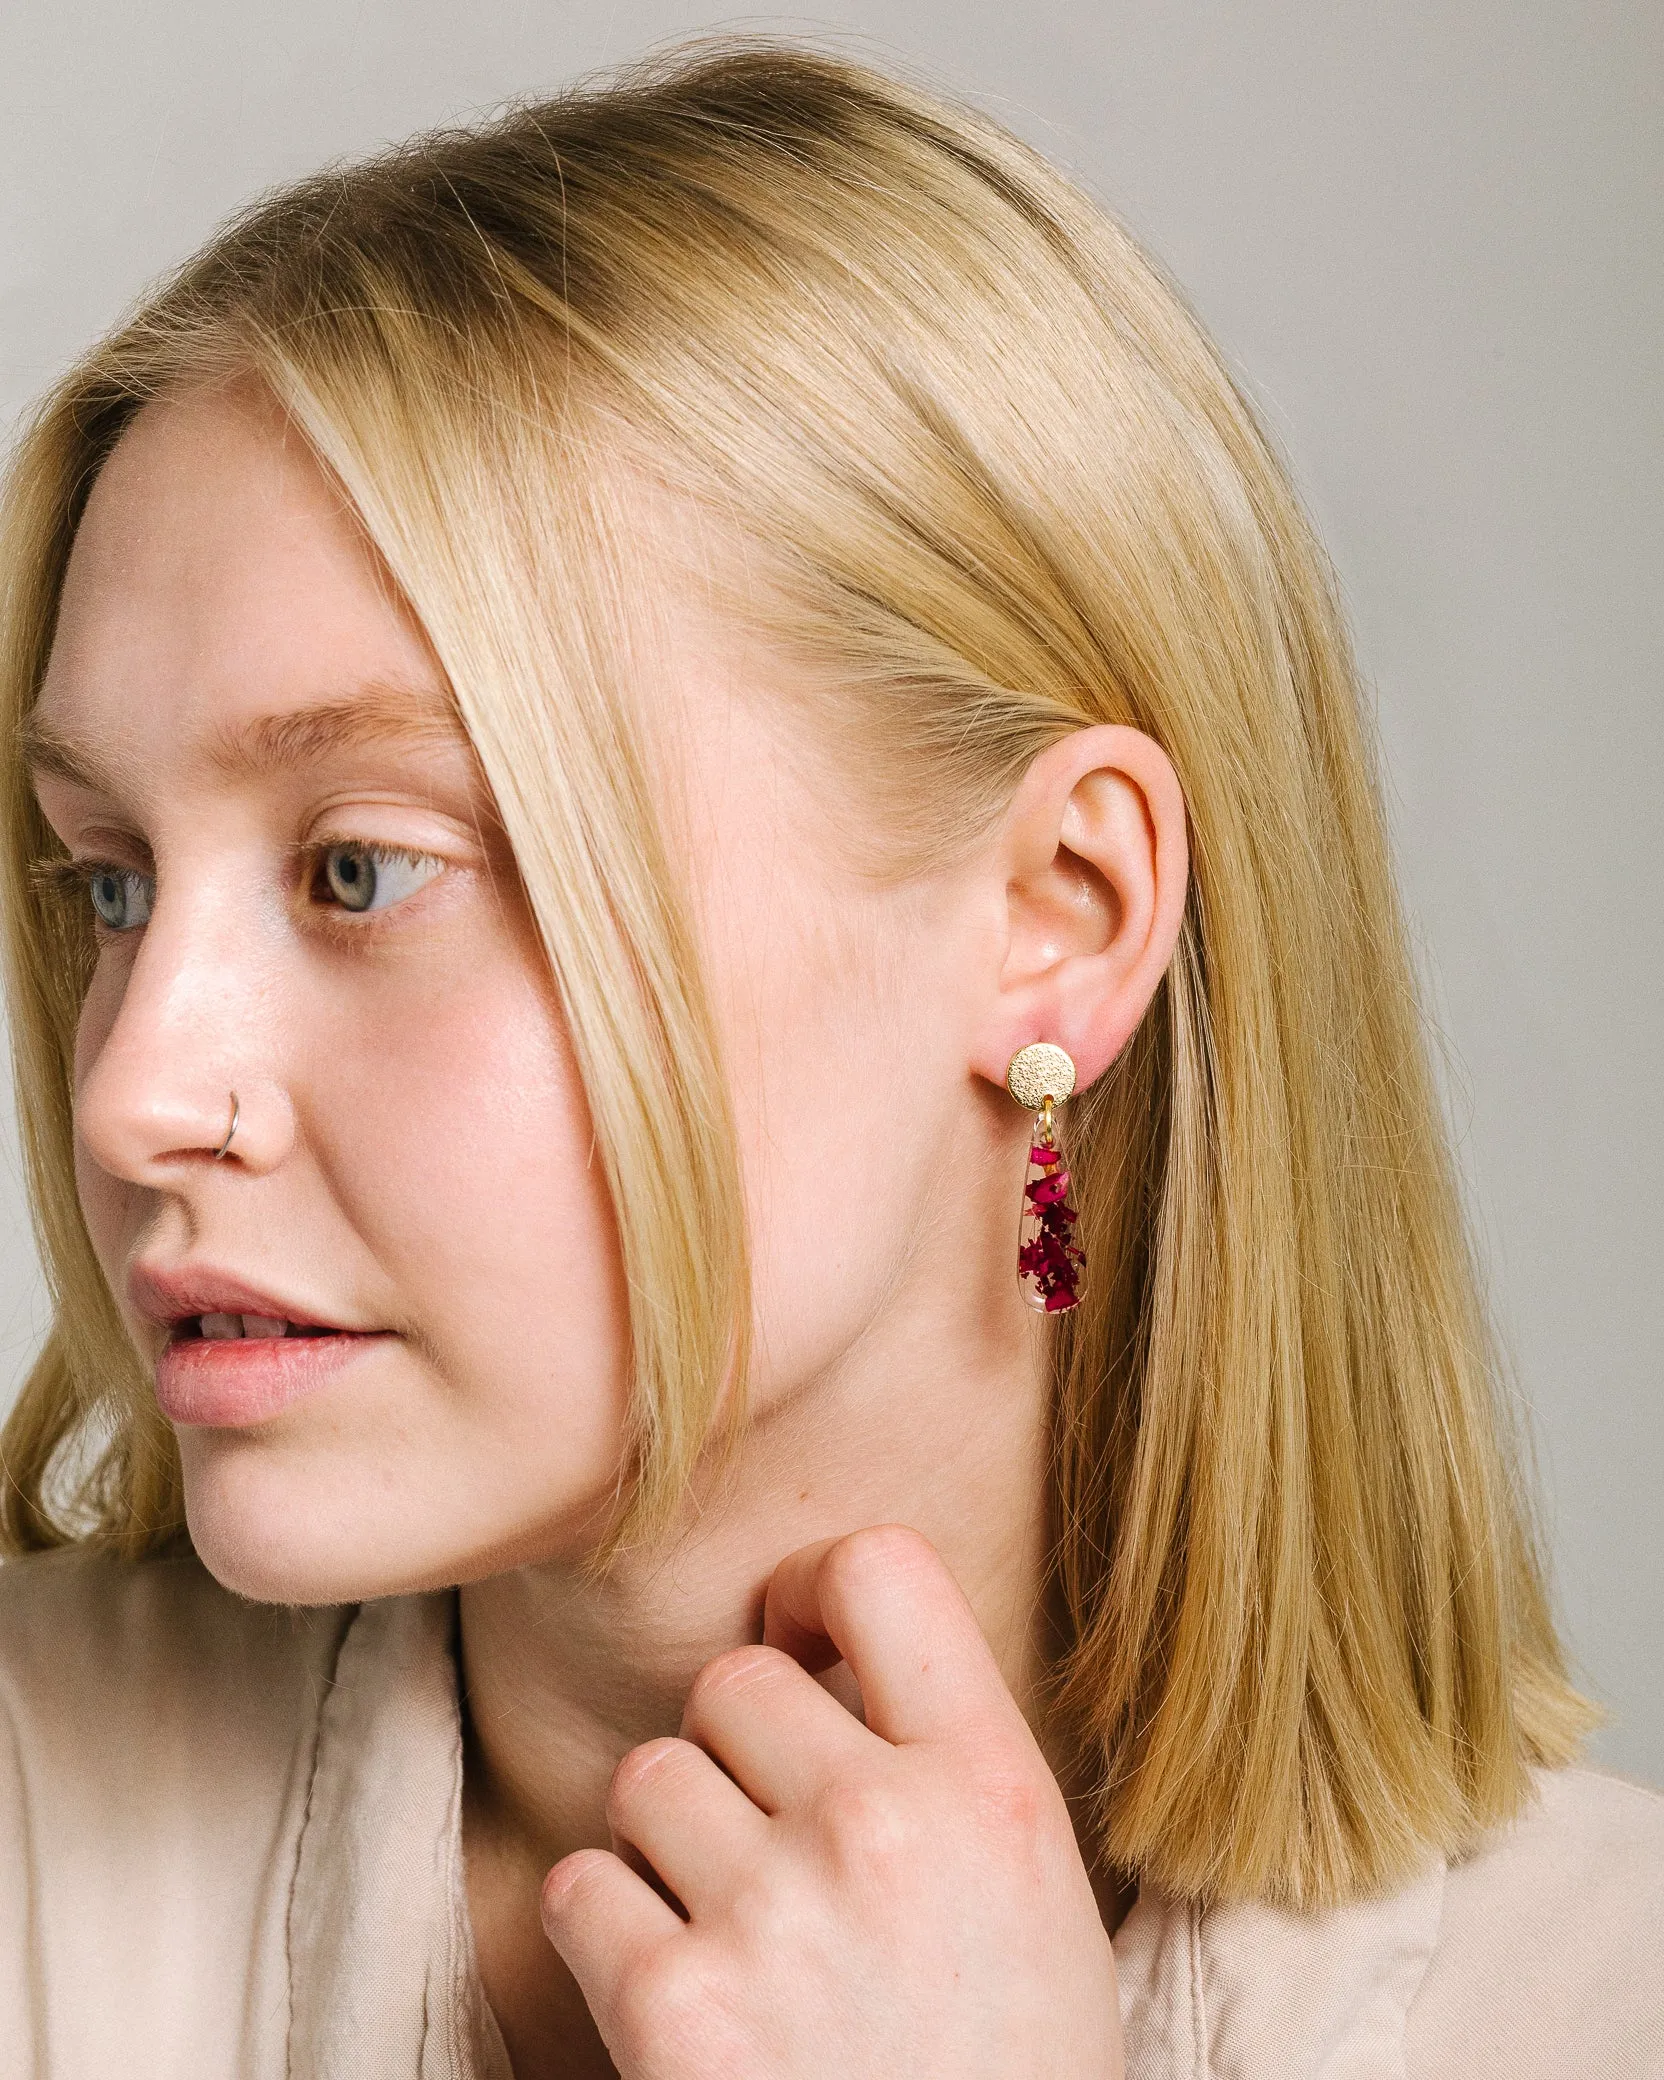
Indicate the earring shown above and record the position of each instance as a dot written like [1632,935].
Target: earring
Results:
[1050,1263]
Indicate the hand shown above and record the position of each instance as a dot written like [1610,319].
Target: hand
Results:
[896,1900]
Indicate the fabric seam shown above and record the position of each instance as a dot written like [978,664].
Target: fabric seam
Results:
[1200,2058]
[327,1687]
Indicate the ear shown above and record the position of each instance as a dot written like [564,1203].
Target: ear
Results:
[1096,862]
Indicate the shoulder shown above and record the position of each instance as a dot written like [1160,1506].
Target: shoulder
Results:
[1534,1957]
[1596,1831]
[140,1700]
[102,1654]
[1550,1936]
[156,1744]
[138,1694]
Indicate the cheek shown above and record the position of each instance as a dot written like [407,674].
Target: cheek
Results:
[112,1214]
[462,1153]
[112,1210]
[844,1049]
[448,1161]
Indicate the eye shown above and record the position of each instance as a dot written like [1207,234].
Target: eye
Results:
[121,897]
[373,877]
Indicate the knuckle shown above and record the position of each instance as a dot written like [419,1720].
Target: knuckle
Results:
[668,2001]
[1019,1815]
[764,1912]
[871,1827]
[876,1554]
[641,1768]
[1010,1804]
[570,1885]
[738,1670]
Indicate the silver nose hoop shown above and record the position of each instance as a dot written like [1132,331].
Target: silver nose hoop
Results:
[236,1112]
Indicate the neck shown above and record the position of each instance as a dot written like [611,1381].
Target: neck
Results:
[564,1670]
[941,1422]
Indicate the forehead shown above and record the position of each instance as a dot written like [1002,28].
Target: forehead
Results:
[218,576]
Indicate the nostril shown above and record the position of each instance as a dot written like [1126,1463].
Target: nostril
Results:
[144,1124]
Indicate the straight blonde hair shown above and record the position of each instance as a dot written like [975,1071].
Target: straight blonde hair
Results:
[1003,488]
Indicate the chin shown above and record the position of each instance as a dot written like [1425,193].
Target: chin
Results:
[269,1530]
[294,1526]
[267,1563]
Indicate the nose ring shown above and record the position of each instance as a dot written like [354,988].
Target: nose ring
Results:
[230,1130]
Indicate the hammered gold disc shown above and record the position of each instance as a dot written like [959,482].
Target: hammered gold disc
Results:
[1038,1072]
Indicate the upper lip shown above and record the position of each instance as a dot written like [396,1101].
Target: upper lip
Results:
[170,1295]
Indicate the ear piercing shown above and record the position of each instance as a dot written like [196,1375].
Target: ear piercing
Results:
[1050,1263]
[230,1130]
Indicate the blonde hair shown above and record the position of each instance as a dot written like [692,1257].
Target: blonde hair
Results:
[1004,488]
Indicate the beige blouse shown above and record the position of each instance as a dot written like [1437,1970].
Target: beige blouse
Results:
[234,1839]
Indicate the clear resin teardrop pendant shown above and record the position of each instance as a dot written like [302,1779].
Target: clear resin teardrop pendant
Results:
[1050,1264]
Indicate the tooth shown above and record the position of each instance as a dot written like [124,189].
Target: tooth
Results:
[263,1325]
[222,1326]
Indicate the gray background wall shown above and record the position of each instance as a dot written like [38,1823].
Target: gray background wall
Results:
[1428,235]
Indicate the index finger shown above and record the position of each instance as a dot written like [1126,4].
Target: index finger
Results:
[884,1600]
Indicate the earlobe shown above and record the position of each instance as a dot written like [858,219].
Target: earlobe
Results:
[1096,860]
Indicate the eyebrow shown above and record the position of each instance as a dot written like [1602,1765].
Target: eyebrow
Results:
[380,714]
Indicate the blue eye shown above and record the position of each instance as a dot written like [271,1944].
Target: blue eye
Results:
[121,898]
[375,877]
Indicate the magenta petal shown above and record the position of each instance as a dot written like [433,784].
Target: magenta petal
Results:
[1050,1264]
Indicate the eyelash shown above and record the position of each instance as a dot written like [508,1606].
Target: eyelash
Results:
[71,880]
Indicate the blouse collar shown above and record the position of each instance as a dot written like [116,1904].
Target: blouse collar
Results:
[382,1974]
[383,1981]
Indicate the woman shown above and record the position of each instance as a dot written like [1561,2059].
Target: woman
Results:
[633,727]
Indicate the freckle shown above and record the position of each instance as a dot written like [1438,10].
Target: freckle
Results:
[804,1496]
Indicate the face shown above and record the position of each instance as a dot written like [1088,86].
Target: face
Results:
[300,899]
[388,1317]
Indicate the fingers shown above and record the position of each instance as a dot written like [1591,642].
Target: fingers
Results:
[605,1921]
[772,1727]
[695,1826]
[884,1600]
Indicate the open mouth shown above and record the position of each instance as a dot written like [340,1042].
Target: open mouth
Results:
[225,1328]
[225,1370]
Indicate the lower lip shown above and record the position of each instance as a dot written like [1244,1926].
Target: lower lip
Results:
[229,1382]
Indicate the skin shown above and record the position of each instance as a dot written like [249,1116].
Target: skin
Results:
[413,1158]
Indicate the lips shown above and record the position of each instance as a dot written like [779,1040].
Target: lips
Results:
[237,1354]
[182,1298]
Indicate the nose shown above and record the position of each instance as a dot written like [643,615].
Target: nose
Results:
[174,1061]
